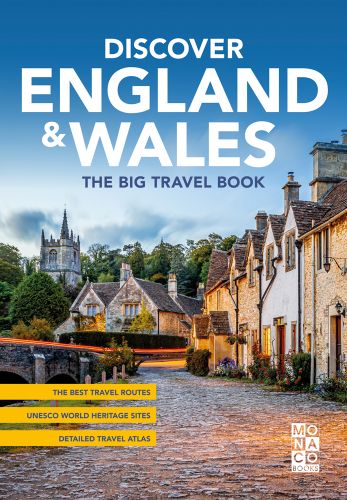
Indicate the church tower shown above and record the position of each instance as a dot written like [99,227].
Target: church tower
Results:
[60,258]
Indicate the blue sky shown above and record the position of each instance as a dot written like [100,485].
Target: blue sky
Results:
[36,182]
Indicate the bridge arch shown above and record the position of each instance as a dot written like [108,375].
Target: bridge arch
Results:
[62,378]
[12,376]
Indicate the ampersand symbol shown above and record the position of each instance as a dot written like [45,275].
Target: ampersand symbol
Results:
[50,139]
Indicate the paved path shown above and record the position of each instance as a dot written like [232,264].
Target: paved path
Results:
[215,440]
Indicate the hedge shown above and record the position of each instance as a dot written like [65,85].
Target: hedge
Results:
[135,340]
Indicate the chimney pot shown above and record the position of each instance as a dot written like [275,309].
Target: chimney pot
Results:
[172,285]
[291,191]
[261,220]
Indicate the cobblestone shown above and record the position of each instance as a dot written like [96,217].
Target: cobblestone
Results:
[215,439]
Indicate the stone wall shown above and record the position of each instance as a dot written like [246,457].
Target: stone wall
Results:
[330,288]
[36,364]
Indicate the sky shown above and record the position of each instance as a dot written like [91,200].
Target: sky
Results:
[37,183]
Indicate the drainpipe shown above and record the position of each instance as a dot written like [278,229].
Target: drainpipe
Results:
[298,245]
[262,296]
[236,307]
[260,305]
[313,307]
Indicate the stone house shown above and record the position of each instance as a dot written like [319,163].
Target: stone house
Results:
[113,306]
[211,329]
[325,252]
[248,285]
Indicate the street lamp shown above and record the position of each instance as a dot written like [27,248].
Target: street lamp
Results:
[327,264]
[341,311]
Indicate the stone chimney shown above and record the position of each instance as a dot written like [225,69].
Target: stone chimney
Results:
[125,273]
[329,166]
[200,292]
[261,220]
[291,191]
[172,285]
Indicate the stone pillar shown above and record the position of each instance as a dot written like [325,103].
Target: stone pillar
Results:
[40,369]
[84,368]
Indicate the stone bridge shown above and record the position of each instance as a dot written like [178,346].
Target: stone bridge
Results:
[40,364]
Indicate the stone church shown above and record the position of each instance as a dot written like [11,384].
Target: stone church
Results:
[60,258]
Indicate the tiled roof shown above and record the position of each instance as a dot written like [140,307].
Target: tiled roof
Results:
[156,291]
[336,199]
[257,238]
[307,211]
[219,323]
[217,269]
[277,224]
[189,305]
[106,291]
[201,322]
[239,250]
[158,294]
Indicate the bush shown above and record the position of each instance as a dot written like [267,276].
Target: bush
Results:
[189,354]
[199,362]
[134,340]
[119,355]
[143,322]
[39,296]
[38,329]
[301,363]
[260,368]
[335,389]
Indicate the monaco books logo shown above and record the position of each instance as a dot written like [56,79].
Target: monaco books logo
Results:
[305,448]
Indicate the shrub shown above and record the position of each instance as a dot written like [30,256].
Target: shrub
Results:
[260,367]
[335,389]
[38,329]
[118,355]
[301,363]
[199,362]
[189,354]
[134,340]
[143,322]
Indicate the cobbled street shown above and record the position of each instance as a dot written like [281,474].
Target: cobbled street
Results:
[214,439]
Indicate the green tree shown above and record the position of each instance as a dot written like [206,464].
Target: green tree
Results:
[30,265]
[6,292]
[38,329]
[118,355]
[143,322]
[105,277]
[10,264]
[135,256]
[39,296]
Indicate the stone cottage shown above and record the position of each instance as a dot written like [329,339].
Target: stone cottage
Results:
[113,306]
[325,268]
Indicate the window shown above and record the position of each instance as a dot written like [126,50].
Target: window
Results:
[92,309]
[293,328]
[251,278]
[322,248]
[267,341]
[218,299]
[52,257]
[268,262]
[290,250]
[75,257]
[131,310]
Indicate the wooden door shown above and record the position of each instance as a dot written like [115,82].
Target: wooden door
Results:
[281,347]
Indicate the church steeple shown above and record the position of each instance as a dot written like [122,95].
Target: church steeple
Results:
[42,237]
[64,233]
